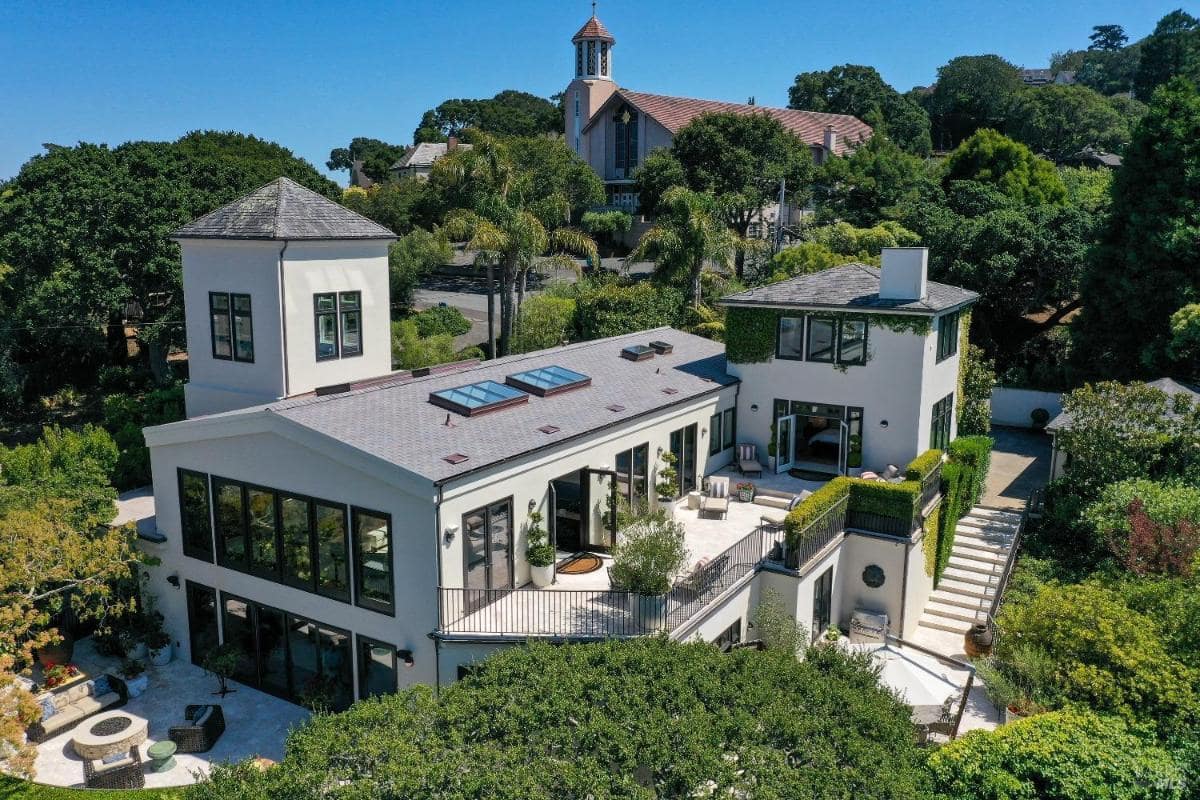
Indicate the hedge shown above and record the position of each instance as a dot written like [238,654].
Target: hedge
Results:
[951,512]
[16,789]
[613,309]
[813,507]
[929,544]
[897,500]
[975,454]
[920,467]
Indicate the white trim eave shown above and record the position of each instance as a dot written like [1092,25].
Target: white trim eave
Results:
[263,420]
[847,309]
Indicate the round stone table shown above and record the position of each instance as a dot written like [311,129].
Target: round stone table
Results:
[108,734]
[162,755]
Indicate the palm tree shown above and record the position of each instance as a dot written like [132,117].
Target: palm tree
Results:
[689,232]
[503,218]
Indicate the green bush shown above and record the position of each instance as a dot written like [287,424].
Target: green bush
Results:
[1063,755]
[897,500]
[692,721]
[951,512]
[612,309]
[545,321]
[929,545]
[750,334]
[440,320]
[975,454]
[648,555]
[1165,503]
[812,507]
[124,417]
[920,467]
[1108,657]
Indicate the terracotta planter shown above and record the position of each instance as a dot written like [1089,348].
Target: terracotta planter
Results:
[978,640]
[1012,715]
[58,653]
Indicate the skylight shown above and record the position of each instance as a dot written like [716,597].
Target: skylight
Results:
[478,398]
[637,352]
[546,381]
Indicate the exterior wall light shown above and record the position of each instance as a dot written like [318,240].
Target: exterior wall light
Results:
[754,408]
[883,423]
[173,579]
[451,532]
[406,657]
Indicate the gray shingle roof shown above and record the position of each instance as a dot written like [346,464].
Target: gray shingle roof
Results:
[425,153]
[283,209]
[854,286]
[398,424]
[1168,385]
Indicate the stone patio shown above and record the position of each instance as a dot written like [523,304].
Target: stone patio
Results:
[256,724]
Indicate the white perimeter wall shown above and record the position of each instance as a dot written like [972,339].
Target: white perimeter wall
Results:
[1012,407]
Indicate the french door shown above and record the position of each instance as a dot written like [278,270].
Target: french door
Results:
[785,442]
[822,603]
[487,548]
[683,447]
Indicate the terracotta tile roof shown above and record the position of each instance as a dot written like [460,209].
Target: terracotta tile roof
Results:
[675,112]
[593,29]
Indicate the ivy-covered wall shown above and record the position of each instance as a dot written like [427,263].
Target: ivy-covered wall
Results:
[750,332]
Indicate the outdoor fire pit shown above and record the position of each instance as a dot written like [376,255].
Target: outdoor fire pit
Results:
[108,734]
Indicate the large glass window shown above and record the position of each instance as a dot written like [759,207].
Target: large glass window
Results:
[714,434]
[272,650]
[791,338]
[260,508]
[947,332]
[350,308]
[333,556]
[625,156]
[221,325]
[295,525]
[376,668]
[337,667]
[243,328]
[633,482]
[202,620]
[727,428]
[195,525]
[303,647]
[239,631]
[231,524]
[852,346]
[821,334]
[373,564]
[822,603]
[940,428]
[325,311]
[338,321]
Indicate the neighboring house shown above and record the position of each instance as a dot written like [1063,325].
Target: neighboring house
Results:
[1060,461]
[1045,77]
[358,177]
[1091,157]
[614,129]
[418,160]
[355,529]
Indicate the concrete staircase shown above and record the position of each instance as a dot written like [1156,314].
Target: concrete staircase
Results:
[982,541]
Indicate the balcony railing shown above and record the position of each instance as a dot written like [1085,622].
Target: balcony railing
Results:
[813,539]
[931,487]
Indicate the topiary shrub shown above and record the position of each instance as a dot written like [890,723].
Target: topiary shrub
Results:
[1063,755]
[813,507]
[923,465]
[898,500]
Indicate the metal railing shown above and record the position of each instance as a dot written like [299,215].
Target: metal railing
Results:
[931,487]
[880,523]
[1033,502]
[812,540]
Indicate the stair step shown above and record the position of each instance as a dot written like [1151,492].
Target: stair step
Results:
[969,602]
[966,588]
[967,575]
[973,539]
[987,526]
[972,565]
[968,615]
[1010,517]
[944,624]
[985,556]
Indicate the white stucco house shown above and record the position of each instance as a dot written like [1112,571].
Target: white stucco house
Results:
[355,529]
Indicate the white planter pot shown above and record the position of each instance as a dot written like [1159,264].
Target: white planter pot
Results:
[138,685]
[542,576]
[137,652]
[161,657]
[652,610]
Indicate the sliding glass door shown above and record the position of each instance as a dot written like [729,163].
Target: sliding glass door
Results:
[487,548]
[683,447]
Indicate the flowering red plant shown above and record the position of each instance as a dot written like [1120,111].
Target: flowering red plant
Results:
[1154,548]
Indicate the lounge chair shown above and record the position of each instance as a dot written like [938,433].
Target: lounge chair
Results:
[717,500]
[202,727]
[124,773]
[747,460]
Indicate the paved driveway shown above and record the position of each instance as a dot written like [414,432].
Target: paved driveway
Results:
[1020,464]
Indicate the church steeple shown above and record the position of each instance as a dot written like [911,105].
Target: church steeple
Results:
[593,50]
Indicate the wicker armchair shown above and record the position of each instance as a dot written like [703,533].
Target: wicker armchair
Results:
[200,732]
[124,774]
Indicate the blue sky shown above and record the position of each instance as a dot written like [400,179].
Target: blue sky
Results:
[313,75]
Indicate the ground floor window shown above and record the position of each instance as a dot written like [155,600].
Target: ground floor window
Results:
[730,636]
[633,482]
[376,668]
[203,635]
[293,657]
[822,603]
[940,428]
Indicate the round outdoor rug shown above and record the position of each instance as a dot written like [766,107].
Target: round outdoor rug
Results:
[580,565]
[809,475]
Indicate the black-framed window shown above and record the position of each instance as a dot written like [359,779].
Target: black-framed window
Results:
[203,634]
[625,129]
[730,636]
[790,342]
[728,431]
[822,603]
[822,339]
[373,560]
[195,524]
[633,479]
[331,550]
[942,422]
[229,512]
[337,320]
[261,525]
[243,328]
[376,668]
[947,335]
[220,325]
[714,434]
[852,341]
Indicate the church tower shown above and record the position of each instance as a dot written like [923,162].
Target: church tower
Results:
[593,83]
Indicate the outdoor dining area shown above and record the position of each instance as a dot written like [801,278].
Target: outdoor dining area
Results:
[166,727]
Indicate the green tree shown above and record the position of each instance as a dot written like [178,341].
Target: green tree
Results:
[870,183]
[1107,37]
[1064,755]
[740,159]
[400,206]
[441,319]
[377,157]
[411,351]
[975,403]
[692,721]
[659,172]
[1173,49]
[992,158]
[1145,261]
[545,321]
[1059,121]
[412,257]
[803,259]
[516,198]
[861,92]
[971,92]
[85,231]
[688,234]
[611,308]
[509,113]
[606,226]
[1184,347]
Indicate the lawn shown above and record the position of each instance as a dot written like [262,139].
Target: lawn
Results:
[14,789]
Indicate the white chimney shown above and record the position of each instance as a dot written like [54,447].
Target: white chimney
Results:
[905,273]
[830,141]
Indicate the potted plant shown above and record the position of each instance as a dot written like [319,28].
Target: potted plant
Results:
[1006,689]
[668,481]
[132,643]
[1040,418]
[832,634]
[54,675]
[158,645]
[854,455]
[539,552]
[745,491]
[222,662]
[646,559]
[136,681]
